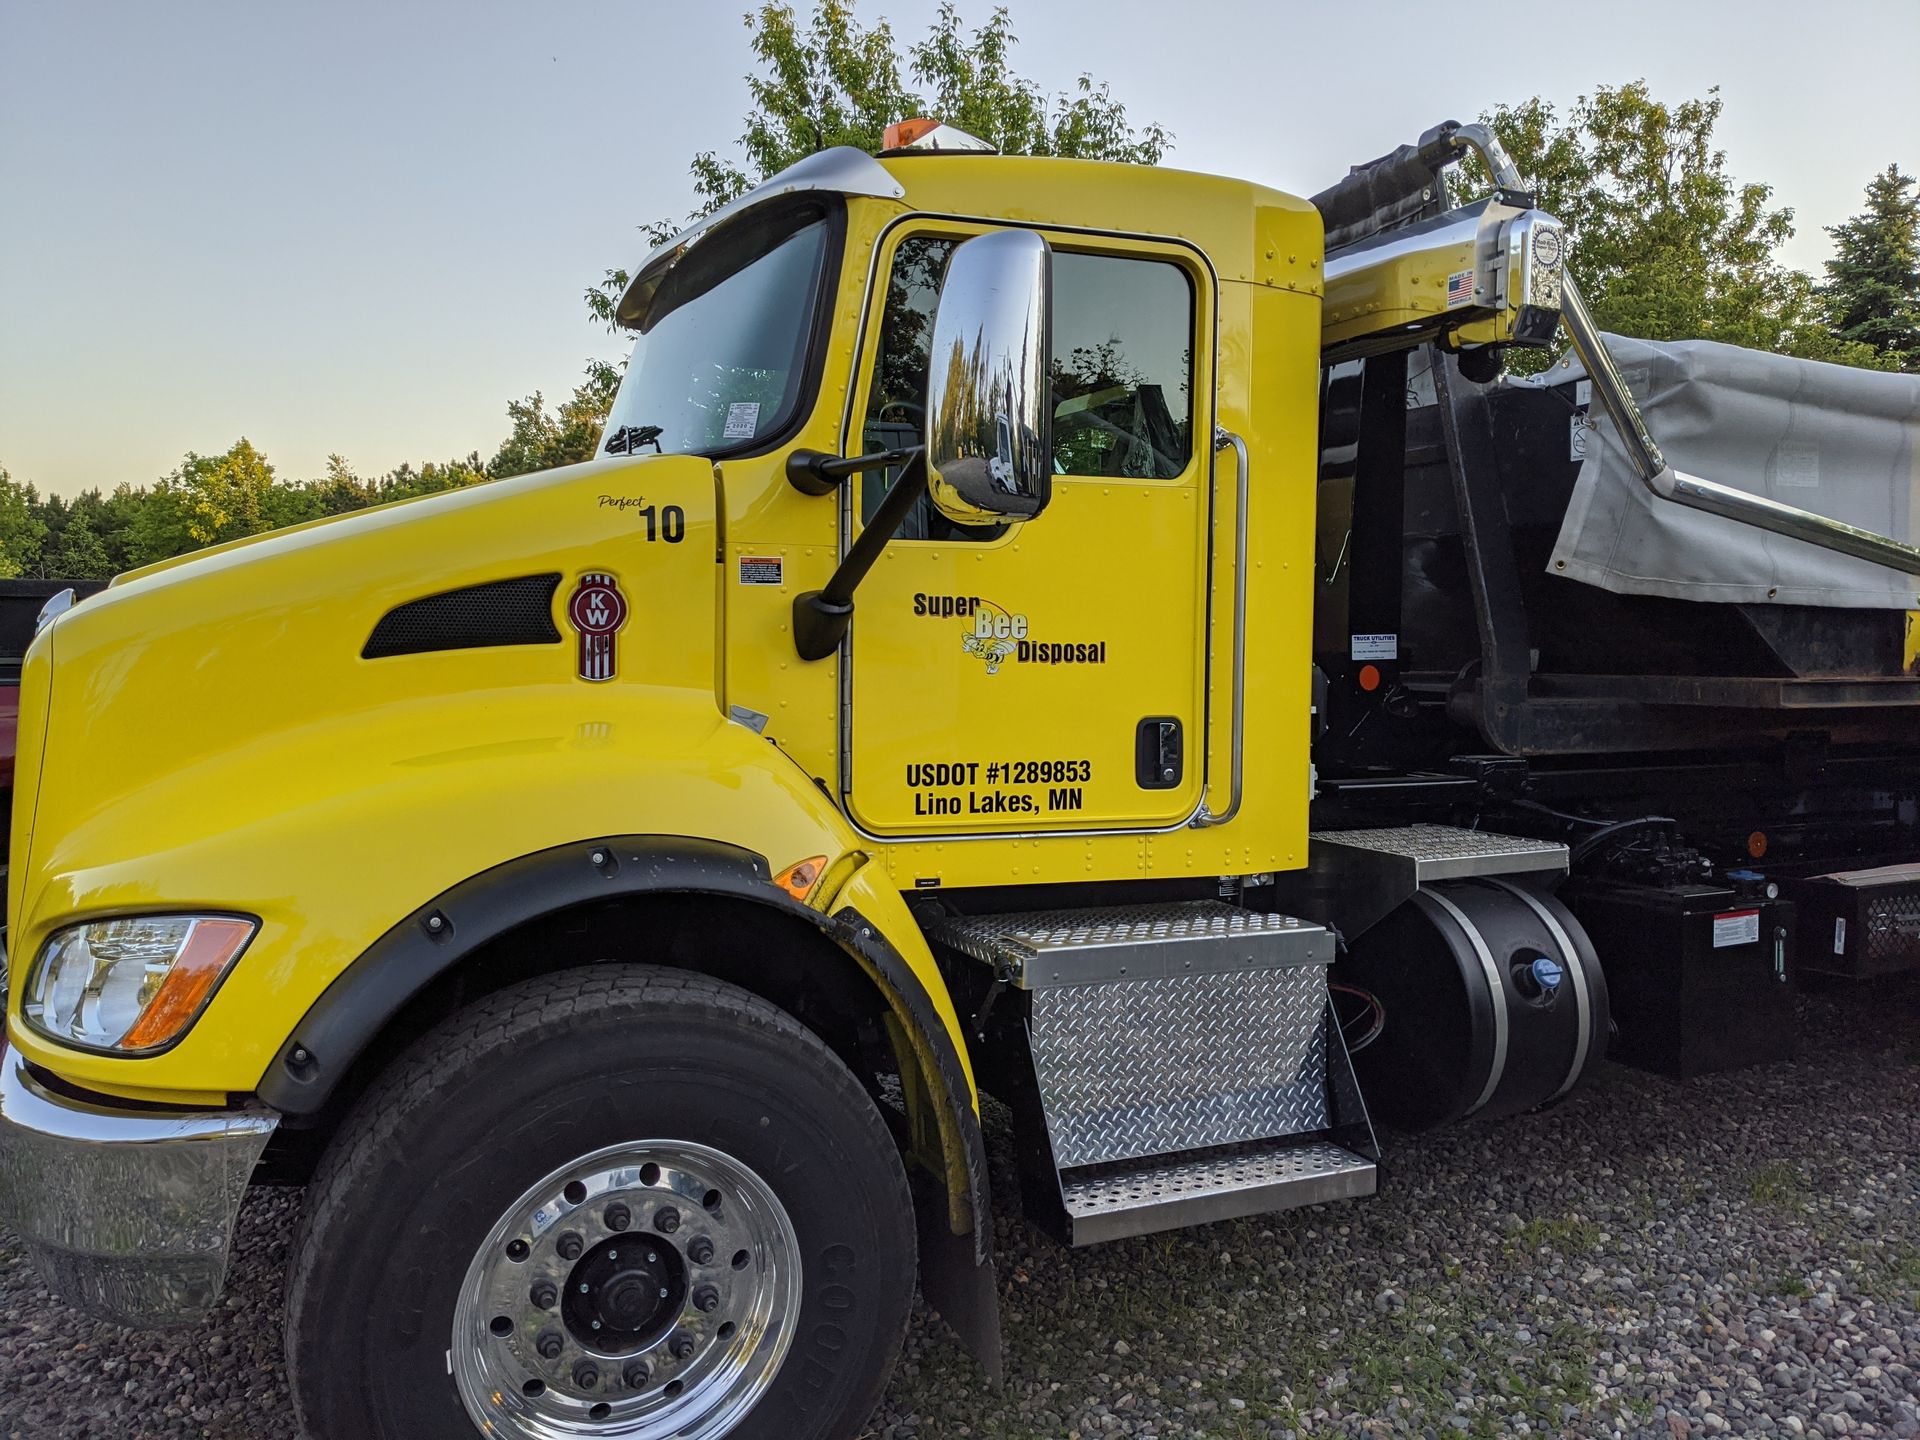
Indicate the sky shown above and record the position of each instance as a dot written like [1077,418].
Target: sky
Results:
[365,227]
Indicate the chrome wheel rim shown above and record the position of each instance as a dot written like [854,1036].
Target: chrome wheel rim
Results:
[646,1290]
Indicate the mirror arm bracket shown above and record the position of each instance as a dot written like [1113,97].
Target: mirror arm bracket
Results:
[815,472]
[821,617]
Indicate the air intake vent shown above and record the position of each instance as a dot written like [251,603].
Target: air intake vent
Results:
[501,612]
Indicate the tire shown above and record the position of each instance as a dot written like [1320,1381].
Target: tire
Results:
[577,1078]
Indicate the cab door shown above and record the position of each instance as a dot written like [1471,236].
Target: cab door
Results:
[1047,674]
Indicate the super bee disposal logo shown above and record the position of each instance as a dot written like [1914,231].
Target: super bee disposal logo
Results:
[994,635]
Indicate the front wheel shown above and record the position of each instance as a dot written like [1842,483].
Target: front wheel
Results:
[617,1202]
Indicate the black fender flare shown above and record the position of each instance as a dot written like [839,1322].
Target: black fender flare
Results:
[339,1026]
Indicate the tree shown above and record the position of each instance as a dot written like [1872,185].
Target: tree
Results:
[22,530]
[1666,244]
[829,80]
[570,434]
[1872,292]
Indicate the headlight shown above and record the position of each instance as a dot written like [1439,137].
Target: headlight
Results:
[130,986]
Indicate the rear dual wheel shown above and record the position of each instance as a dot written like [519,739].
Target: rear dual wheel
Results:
[617,1202]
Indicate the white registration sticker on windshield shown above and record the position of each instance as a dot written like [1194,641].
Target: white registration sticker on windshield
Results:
[743,418]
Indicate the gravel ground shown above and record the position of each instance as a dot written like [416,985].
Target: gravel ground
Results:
[1740,1255]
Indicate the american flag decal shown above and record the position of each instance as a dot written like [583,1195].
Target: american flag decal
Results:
[597,610]
[1460,288]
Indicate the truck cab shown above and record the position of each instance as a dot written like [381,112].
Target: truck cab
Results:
[609,889]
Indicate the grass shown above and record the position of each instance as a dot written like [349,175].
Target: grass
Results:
[1779,1185]
[1892,1273]
[1571,1235]
[1393,1358]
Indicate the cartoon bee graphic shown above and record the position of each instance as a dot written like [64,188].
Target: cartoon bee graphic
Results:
[990,650]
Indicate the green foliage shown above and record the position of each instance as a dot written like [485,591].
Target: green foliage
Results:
[1666,244]
[570,434]
[1872,292]
[22,530]
[829,80]
[206,500]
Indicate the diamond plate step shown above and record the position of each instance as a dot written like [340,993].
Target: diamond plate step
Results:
[1041,948]
[1155,1029]
[1165,1194]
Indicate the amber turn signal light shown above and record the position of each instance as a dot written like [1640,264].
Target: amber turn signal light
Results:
[799,878]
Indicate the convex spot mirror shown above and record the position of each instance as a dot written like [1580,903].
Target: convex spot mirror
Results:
[989,424]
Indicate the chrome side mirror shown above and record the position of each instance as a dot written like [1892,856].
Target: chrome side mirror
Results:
[989,436]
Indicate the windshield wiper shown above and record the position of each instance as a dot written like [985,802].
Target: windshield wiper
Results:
[628,439]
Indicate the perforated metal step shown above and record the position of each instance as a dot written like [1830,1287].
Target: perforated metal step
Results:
[1161,1194]
[1359,876]
[1447,852]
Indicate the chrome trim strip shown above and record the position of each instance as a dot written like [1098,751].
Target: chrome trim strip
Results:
[1583,1000]
[845,657]
[1498,994]
[1204,818]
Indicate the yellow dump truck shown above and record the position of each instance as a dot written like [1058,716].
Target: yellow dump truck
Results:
[608,890]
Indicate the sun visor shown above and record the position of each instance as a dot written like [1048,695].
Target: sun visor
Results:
[842,170]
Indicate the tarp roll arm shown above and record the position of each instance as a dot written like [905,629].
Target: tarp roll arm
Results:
[1631,426]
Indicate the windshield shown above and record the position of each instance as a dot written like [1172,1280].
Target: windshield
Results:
[722,354]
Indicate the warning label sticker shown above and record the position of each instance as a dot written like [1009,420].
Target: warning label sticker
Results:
[761,570]
[743,418]
[1736,927]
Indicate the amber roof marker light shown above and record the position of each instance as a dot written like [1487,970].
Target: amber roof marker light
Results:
[923,136]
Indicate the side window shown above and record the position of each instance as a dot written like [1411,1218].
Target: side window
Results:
[1122,371]
[1122,367]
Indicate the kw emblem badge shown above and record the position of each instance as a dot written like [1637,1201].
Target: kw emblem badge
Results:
[597,610]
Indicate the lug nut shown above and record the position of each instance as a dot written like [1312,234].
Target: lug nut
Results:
[544,1294]
[706,1299]
[586,1375]
[681,1346]
[569,1246]
[700,1251]
[635,1374]
[618,1217]
[549,1344]
[666,1219]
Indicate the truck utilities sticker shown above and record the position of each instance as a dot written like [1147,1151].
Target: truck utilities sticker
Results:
[761,569]
[1459,288]
[1376,647]
[996,635]
[1736,927]
[743,418]
[998,787]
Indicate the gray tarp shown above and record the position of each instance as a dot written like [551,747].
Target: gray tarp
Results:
[1840,442]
